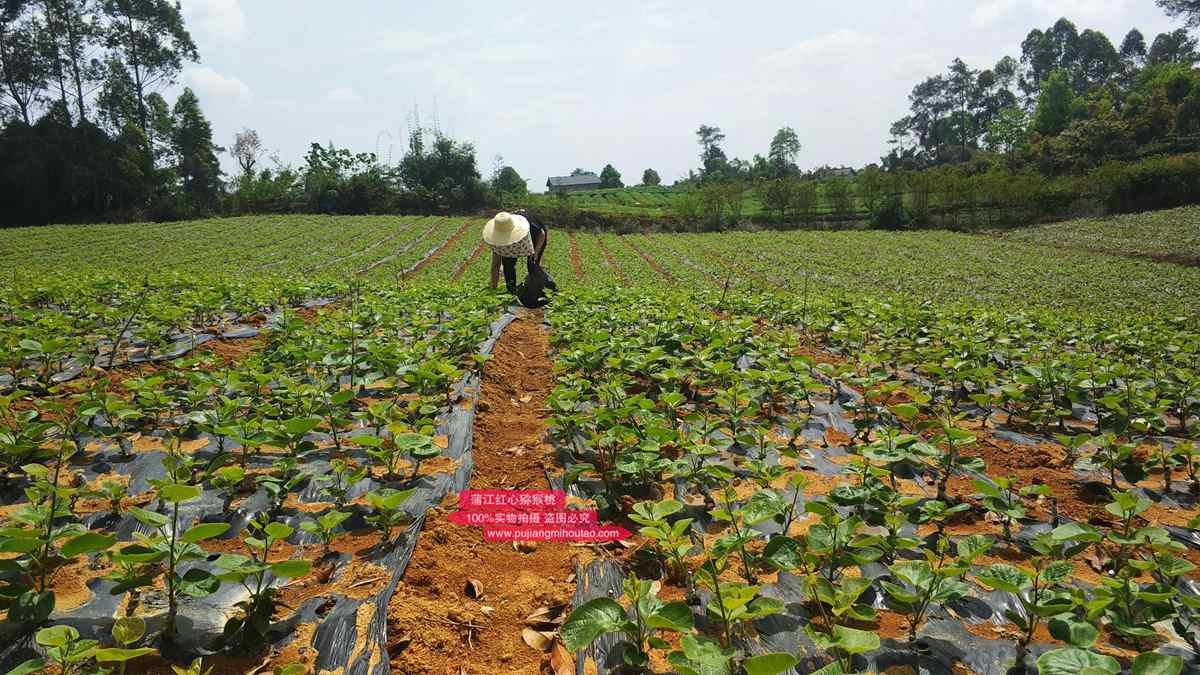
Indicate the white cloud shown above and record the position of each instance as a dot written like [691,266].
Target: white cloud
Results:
[343,95]
[209,84]
[988,12]
[1082,11]
[828,47]
[648,54]
[221,18]
[415,42]
[914,66]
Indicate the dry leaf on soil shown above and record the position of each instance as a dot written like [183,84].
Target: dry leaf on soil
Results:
[539,640]
[561,661]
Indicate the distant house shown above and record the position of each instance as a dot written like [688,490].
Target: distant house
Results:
[834,172]
[578,183]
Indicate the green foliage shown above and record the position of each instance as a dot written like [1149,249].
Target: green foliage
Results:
[610,177]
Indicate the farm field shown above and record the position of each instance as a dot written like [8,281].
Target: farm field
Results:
[1172,235]
[242,440]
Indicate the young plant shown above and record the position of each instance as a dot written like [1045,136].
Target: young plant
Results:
[285,476]
[126,631]
[343,475]
[650,615]
[44,535]
[172,548]
[65,651]
[325,527]
[924,584]
[762,506]
[670,538]
[950,440]
[387,514]
[1037,594]
[227,480]
[250,629]
[1001,499]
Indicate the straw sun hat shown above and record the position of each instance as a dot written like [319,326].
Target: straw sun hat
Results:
[508,235]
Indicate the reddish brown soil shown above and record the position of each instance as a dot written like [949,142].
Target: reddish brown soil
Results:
[612,265]
[576,259]
[649,261]
[446,246]
[433,627]
[467,263]
[230,352]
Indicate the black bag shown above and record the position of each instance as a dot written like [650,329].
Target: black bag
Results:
[531,293]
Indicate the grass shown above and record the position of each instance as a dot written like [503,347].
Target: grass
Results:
[1172,235]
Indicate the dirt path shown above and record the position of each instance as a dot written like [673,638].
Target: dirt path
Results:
[576,260]
[466,264]
[433,627]
[649,261]
[446,246]
[612,264]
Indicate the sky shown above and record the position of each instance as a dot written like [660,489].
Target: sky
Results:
[551,86]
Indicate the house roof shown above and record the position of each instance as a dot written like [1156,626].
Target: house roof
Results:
[582,179]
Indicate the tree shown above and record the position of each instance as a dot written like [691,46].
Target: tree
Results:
[247,148]
[962,87]
[713,162]
[23,69]
[1097,61]
[198,169]
[580,172]
[1044,52]
[785,148]
[1174,47]
[71,37]
[650,177]
[1008,131]
[1053,111]
[1188,10]
[153,43]
[610,177]
[509,182]
[441,178]
[1133,49]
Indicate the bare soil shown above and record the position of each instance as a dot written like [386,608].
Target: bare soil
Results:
[434,628]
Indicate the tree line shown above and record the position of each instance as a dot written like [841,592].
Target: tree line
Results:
[86,134]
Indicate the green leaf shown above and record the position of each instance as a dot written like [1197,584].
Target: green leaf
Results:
[30,666]
[855,641]
[115,655]
[148,518]
[56,636]
[204,531]
[675,616]
[198,583]
[769,664]
[590,621]
[301,425]
[87,543]
[1072,661]
[1003,577]
[291,569]
[1071,630]
[1154,663]
[177,492]
[707,654]
[278,531]
[129,629]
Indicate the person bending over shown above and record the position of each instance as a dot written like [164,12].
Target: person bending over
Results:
[512,236]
